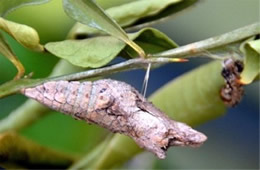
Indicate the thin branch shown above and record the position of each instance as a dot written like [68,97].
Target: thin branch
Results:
[131,64]
[196,48]
[189,50]
[185,51]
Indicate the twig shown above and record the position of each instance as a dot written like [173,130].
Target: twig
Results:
[15,86]
[131,64]
[190,50]
[196,48]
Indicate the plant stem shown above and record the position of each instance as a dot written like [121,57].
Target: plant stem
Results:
[132,64]
[190,50]
[196,48]
[15,86]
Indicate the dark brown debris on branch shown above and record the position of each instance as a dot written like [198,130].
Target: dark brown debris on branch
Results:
[120,108]
[232,92]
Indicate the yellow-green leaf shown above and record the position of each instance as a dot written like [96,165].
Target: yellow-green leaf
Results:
[251,70]
[7,6]
[98,51]
[129,13]
[93,52]
[89,13]
[24,34]
[163,15]
[139,14]
[105,4]
[6,51]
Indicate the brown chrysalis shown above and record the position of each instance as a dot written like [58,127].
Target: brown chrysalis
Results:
[118,107]
[232,92]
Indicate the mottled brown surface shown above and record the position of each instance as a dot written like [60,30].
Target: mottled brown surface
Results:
[232,92]
[120,108]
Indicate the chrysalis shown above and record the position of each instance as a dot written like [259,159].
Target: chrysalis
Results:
[233,91]
[118,107]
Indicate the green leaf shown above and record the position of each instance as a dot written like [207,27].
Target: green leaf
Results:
[24,34]
[93,52]
[251,70]
[163,15]
[110,153]
[6,51]
[87,12]
[129,13]
[139,14]
[90,157]
[152,41]
[98,51]
[105,4]
[7,6]
[193,98]
[116,153]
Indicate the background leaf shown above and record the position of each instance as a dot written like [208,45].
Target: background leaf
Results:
[6,51]
[98,51]
[10,5]
[164,15]
[129,13]
[118,150]
[25,35]
[20,151]
[251,70]
[136,14]
[108,4]
[193,98]
[87,12]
